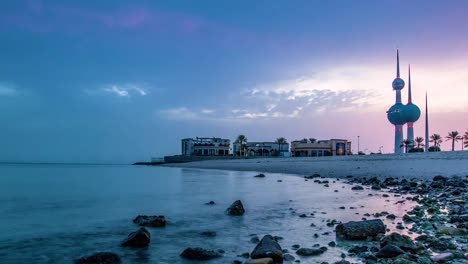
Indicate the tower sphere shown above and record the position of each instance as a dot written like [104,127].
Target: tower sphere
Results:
[398,84]
[411,112]
[395,114]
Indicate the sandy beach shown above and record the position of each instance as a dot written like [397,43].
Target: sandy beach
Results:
[414,165]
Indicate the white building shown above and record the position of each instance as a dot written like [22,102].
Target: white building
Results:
[318,148]
[262,149]
[205,146]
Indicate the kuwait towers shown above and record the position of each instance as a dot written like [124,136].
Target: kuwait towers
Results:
[400,114]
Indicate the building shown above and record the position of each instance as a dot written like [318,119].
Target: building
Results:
[205,146]
[262,149]
[400,114]
[318,148]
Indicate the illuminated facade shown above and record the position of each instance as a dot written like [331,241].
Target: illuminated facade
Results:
[319,148]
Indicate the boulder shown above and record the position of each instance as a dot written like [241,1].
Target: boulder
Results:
[260,261]
[401,241]
[268,248]
[261,175]
[100,258]
[360,230]
[199,254]
[150,220]
[442,258]
[236,209]
[138,239]
[357,188]
[306,252]
[389,251]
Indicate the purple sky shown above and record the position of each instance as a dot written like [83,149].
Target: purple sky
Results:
[113,81]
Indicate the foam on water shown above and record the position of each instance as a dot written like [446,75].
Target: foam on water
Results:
[57,213]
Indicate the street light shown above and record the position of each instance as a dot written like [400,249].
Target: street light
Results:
[358,144]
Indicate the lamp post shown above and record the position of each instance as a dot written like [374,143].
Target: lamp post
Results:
[380,149]
[358,144]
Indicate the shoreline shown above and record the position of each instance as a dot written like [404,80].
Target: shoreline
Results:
[421,166]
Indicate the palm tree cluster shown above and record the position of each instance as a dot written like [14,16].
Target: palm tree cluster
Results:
[242,140]
[436,140]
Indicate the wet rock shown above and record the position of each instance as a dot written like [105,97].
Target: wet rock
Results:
[199,254]
[100,258]
[360,230]
[357,249]
[391,217]
[439,178]
[315,175]
[389,251]
[261,175]
[288,257]
[210,203]
[403,242]
[260,261]
[255,239]
[268,248]
[236,209]
[245,255]
[442,258]
[138,239]
[357,188]
[306,252]
[332,244]
[150,221]
[208,233]
[441,245]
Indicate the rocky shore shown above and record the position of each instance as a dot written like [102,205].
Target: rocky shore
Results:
[436,228]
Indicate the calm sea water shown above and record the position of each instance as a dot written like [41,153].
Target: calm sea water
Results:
[57,213]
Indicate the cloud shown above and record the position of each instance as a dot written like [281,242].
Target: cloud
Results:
[125,90]
[179,113]
[7,90]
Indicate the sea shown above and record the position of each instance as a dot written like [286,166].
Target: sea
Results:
[57,213]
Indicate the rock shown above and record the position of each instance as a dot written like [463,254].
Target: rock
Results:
[245,255]
[236,209]
[261,175]
[208,233]
[442,258]
[401,241]
[360,230]
[288,257]
[138,239]
[100,258]
[306,252]
[199,254]
[210,203]
[342,262]
[151,221]
[358,249]
[255,239]
[391,217]
[389,251]
[268,248]
[453,231]
[357,188]
[260,261]
[332,244]
[439,178]
[315,175]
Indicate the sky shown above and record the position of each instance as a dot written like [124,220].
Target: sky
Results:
[123,81]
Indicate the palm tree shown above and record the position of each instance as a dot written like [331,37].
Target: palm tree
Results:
[419,141]
[241,140]
[436,139]
[280,141]
[465,139]
[454,137]
[406,143]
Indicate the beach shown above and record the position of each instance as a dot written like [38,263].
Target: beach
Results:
[422,166]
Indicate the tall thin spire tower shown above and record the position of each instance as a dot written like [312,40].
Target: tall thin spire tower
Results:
[411,113]
[427,128]
[395,113]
